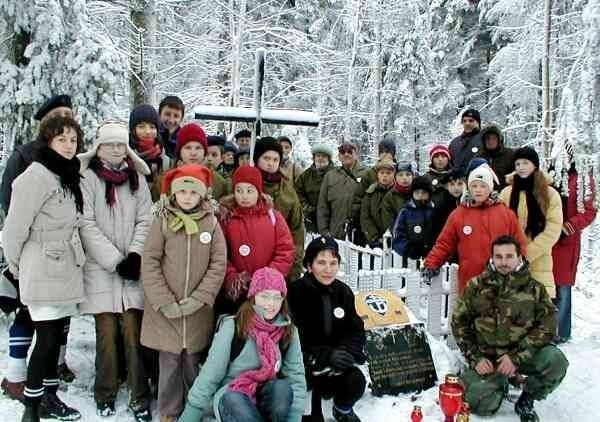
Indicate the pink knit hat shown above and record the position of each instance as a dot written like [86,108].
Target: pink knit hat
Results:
[267,278]
[439,149]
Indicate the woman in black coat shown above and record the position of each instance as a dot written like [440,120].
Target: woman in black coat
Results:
[332,334]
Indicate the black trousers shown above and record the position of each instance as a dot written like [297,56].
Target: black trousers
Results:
[345,389]
[41,370]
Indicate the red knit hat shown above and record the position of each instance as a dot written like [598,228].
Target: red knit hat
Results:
[190,133]
[439,149]
[248,174]
[267,278]
[188,176]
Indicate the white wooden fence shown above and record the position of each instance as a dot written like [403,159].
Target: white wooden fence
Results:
[366,269]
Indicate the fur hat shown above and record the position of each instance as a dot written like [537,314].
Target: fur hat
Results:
[143,113]
[421,182]
[265,144]
[267,278]
[113,132]
[485,174]
[527,153]
[320,244]
[473,114]
[51,104]
[190,133]
[248,174]
[439,149]
[189,176]
[322,149]
[385,164]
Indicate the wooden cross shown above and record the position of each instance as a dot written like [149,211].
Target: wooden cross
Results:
[257,115]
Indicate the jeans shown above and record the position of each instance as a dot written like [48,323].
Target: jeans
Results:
[273,402]
[563,302]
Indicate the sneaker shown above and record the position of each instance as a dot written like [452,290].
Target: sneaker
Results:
[105,409]
[31,414]
[524,408]
[64,373]
[14,390]
[52,407]
[141,411]
[345,417]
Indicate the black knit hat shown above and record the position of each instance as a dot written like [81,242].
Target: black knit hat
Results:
[143,113]
[421,182]
[265,144]
[405,166]
[215,141]
[230,147]
[527,153]
[320,244]
[51,104]
[473,114]
[387,145]
[454,174]
[244,133]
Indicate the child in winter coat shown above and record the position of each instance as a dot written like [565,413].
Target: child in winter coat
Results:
[371,206]
[438,169]
[448,200]
[117,218]
[394,200]
[254,368]
[182,271]
[413,230]
[257,236]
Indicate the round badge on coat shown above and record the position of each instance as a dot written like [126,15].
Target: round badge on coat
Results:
[418,229]
[434,182]
[244,250]
[339,313]
[474,149]
[205,237]
[467,230]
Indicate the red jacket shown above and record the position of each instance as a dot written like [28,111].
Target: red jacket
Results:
[565,253]
[470,231]
[256,237]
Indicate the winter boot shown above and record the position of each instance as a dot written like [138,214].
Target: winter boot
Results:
[64,373]
[524,408]
[53,407]
[105,409]
[14,390]
[31,414]
[140,410]
[339,416]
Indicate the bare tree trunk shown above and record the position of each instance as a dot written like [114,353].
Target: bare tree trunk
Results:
[141,82]
[546,94]
[378,72]
[237,38]
[349,96]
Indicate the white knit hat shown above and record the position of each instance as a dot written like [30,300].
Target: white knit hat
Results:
[113,132]
[485,174]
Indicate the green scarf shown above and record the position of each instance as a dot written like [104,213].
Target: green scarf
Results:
[189,221]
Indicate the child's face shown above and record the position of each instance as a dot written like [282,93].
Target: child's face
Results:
[192,153]
[456,187]
[112,152]
[287,149]
[171,118]
[246,195]
[228,158]
[385,177]
[214,156]
[244,160]
[440,162]
[404,178]
[479,191]
[243,142]
[420,195]
[321,160]
[270,301]
[187,199]
[65,144]
[145,130]
[269,162]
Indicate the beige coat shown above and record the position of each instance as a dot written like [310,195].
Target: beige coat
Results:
[539,250]
[108,235]
[41,240]
[175,266]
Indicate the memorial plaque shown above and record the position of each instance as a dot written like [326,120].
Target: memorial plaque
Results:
[399,359]
[379,308]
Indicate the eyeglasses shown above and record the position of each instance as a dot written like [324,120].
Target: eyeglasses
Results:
[114,145]
[346,150]
[266,297]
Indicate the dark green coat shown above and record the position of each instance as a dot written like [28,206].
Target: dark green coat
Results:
[371,211]
[287,203]
[368,178]
[308,187]
[503,314]
[500,160]
[393,202]
[335,207]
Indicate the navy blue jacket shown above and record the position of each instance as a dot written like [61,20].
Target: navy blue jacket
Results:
[414,230]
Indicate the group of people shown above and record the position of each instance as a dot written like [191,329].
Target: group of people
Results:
[193,264]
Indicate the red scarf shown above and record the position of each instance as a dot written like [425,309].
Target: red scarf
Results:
[271,177]
[114,177]
[401,189]
[267,337]
[149,148]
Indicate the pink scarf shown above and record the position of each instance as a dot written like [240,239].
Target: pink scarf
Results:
[266,336]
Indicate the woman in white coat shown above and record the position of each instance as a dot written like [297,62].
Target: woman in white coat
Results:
[43,249]
[117,218]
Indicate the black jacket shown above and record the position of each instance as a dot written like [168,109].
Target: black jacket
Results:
[317,312]
[463,148]
[19,160]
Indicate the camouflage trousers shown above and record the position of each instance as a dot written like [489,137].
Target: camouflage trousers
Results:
[545,371]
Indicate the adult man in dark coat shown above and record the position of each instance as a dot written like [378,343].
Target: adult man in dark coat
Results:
[499,157]
[468,144]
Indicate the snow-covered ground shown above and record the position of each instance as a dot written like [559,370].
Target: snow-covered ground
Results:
[575,399]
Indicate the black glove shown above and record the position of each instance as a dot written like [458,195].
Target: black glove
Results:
[10,304]
[340,359]
[428,273]
[129,268]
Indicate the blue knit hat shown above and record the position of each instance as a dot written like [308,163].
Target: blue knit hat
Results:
[143,113]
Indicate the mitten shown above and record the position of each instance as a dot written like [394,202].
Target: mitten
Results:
[129,268]
[341,359]
[190,305]
[171,310]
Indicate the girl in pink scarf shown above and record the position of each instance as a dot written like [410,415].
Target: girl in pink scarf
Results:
[261,378]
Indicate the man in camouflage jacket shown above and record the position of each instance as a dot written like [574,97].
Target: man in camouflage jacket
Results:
[504,324]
